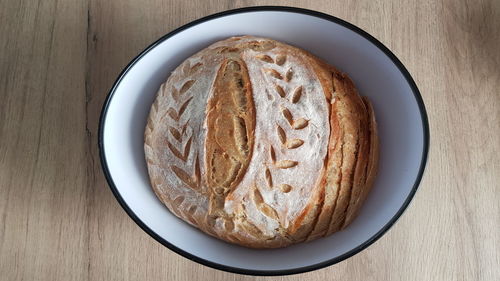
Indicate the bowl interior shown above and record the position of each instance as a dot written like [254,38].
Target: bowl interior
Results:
[401,130]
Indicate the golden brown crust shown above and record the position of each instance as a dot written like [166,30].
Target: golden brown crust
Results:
[261,144]
[371,156]
[230,134]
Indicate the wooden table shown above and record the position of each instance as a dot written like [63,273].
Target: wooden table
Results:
[59,220]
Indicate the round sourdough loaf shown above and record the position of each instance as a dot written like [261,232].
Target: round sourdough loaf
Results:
[261,144]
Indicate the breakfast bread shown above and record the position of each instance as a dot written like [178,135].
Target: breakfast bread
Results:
[261,144]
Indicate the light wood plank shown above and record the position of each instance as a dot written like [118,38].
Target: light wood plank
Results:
[43,202]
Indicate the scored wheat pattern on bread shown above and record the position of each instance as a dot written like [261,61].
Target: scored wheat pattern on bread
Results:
[182,98]
[180,142]
[295,124]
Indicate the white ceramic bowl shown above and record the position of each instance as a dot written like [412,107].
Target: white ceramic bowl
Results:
[377,73]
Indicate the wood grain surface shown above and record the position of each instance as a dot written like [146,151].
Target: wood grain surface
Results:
[60,221]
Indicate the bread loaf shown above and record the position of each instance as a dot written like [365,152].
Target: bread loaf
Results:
[261,144]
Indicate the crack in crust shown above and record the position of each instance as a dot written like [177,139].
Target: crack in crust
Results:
[230,138]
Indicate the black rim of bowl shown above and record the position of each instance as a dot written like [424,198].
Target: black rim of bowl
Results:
[371,240]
